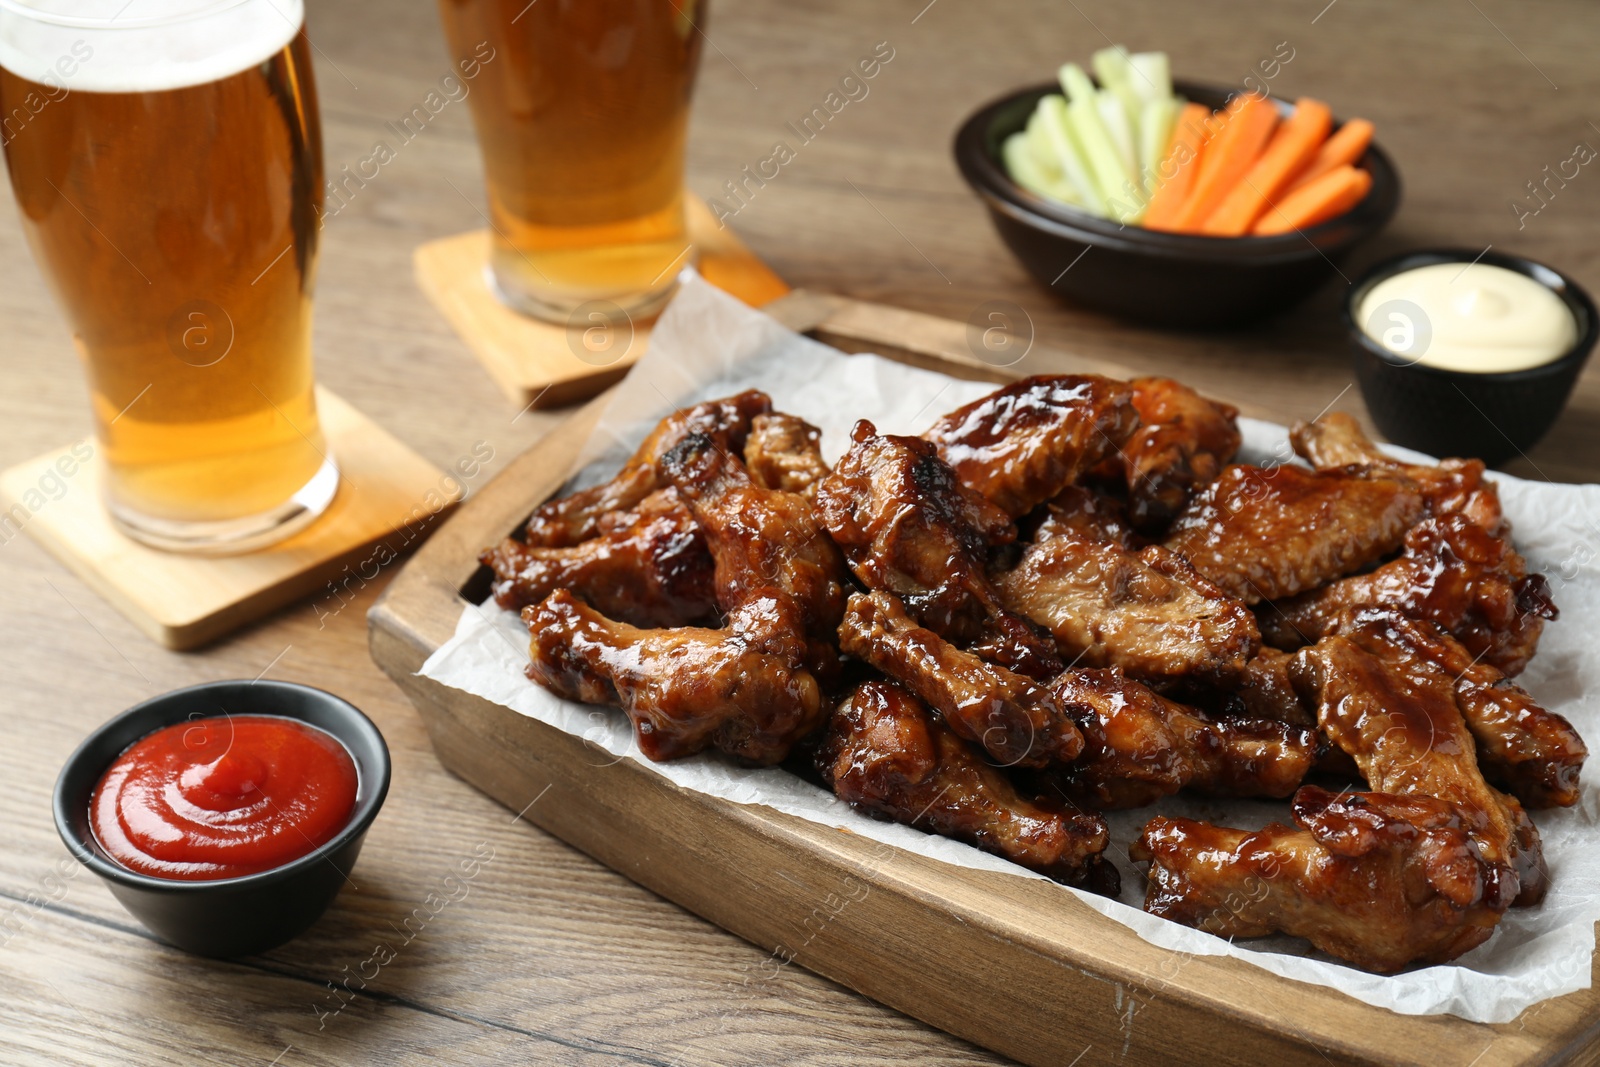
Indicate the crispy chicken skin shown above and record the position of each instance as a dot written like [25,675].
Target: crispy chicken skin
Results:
[1182,443]
[909,527]
[1023,443]
[1532,753]
[1385,699]
[1140,747]
[885,752]
[759,538]
[1147,612]
[572,519]
[1263,533]
[1015,720]
[647,567]
[1453,573]
[685,689]
[1378,880]
[783,452]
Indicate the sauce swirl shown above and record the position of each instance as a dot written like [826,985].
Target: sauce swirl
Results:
[223,797]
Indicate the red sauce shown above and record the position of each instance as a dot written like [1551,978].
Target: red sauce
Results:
[223,797]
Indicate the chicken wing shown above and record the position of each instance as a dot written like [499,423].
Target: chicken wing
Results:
[909,527]
[1182,443]
[1016,721]
[1383,698]
[1263,533]
[760,538]
[1453,573]
[648,567]
[883,751]
[685,689]
[784,452]
[572,519]
[1022,444]
[1147,612]
[1140,747]
[1381,881]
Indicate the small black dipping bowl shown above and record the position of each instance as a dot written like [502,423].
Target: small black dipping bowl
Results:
[1459,413]
[1167,279]
[228,916]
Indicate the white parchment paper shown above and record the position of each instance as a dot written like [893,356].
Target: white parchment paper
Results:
[707,344]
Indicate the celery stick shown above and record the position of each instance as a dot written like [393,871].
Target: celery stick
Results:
[1100,153]
[1053,114]
[1032,174]
[1075,83]
[1155,133]
[1151,75]
[1039,143]
[1111,66]
[1115,117]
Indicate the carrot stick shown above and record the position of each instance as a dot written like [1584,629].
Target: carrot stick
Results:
[1345,146]
[1231,151]
[1291,148]
[1318,200]
[1178,167]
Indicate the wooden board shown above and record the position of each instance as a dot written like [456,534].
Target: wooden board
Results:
[535,362]
[185,601]
[1013,964]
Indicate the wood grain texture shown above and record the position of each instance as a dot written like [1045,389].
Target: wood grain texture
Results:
[552,957]
[916,934]
[549,365]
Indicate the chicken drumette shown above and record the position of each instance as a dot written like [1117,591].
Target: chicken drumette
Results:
[884,751]
[784,452]
[1182,443]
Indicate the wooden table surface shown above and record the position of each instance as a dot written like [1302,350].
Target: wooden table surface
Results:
[550,957]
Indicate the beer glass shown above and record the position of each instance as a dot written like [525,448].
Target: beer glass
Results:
[166,158]
[582,111]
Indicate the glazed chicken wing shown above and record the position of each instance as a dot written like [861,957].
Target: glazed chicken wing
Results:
[783,452]
[648,567]
[910,528]
[1452,573]
[1147,612]
[1384,698]
[1263,533]
[759,538]
[1014,720]
[685,689]
[1182,443]
[883,751]
[1022,444]
[1140,747]
[1083,513]
[572,519]
[1381,881]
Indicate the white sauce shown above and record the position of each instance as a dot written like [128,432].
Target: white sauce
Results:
[118,46]
[1479,318]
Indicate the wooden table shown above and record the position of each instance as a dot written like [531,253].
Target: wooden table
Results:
[550,957]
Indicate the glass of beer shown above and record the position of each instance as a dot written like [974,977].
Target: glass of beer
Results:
[582,112]
[166,157]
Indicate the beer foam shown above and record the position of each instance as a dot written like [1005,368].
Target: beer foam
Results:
[127,46]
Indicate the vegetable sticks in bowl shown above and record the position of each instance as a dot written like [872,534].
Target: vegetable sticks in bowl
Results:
[1130,150]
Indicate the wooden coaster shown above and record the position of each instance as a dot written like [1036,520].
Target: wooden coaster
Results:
[534,361]
[388,496]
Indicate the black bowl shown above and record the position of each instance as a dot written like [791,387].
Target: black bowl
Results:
[1458,413]
[1168,279]
[228,916]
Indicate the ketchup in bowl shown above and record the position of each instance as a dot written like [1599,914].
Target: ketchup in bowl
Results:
[223,797]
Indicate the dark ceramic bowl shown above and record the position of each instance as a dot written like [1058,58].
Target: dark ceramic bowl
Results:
[1167,279]
[1457,413]
[228,916]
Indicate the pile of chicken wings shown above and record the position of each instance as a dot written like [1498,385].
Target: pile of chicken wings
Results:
[1065,598]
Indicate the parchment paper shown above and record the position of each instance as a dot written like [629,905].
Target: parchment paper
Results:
[707,344]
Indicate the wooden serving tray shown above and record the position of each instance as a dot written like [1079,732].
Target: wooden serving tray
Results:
[1013,964]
